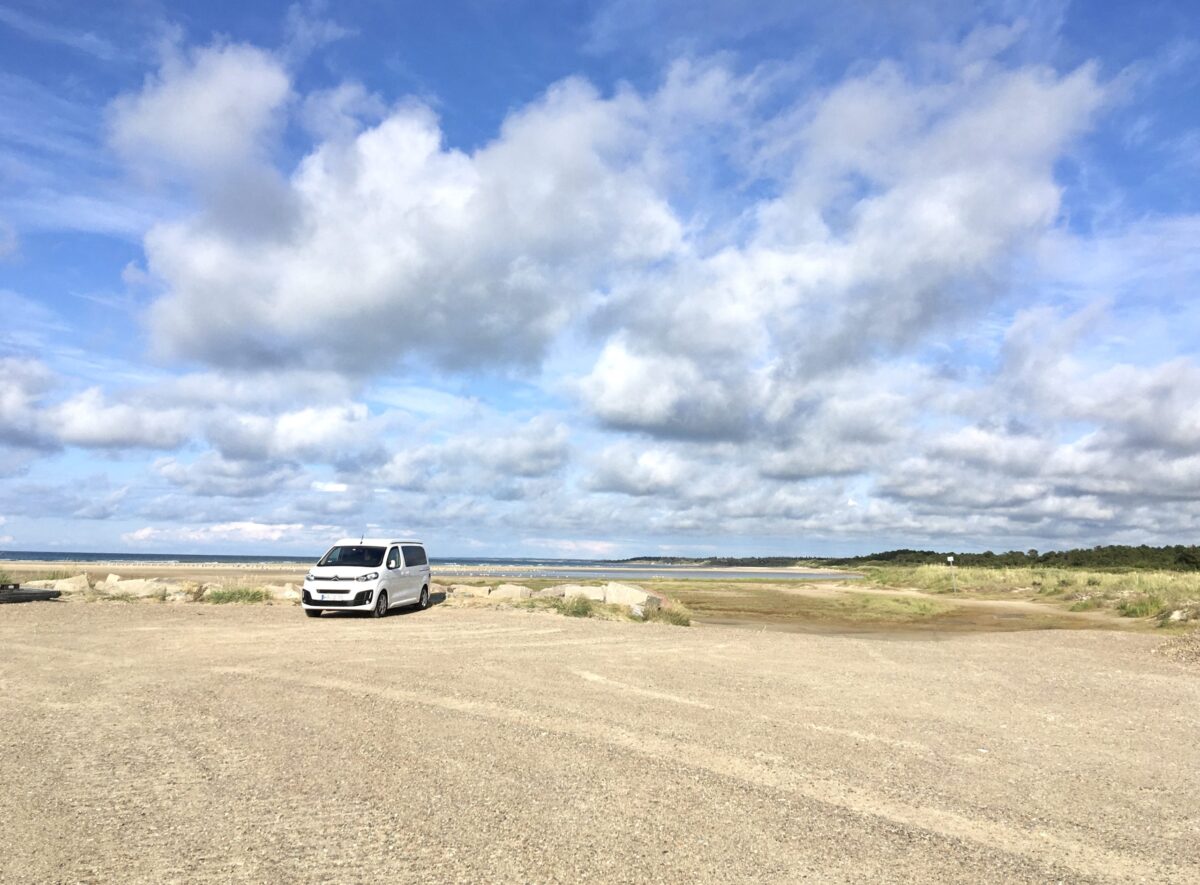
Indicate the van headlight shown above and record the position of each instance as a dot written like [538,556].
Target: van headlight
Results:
[371,577]
[310,577]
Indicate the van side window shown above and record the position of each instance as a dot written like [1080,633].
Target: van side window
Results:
[393,558]
[415,555]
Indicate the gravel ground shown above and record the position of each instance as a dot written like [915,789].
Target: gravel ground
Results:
[161,743]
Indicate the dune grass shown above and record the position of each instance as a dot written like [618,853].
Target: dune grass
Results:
[1133,594]
[54,575]
[236,595]
[673,614]
[779,603]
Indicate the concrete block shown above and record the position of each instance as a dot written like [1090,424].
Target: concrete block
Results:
[510,591]
[471,590]
[77,584]
[137,587]
[628,594]
[596,594]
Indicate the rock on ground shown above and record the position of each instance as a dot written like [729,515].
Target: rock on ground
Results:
[510,591]
[470,589]
[596,594]
[288,592]
[77,584]
[138,587]
[628,594]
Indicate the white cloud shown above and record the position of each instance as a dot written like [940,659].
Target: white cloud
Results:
[88,419]
[736,306]
[52,32]
[340,113]
[904,207]
[240,532]
[306,29]
[674,395]
[207,109]
[210,475]
[330,487]
[574,548]
[9,244]
[622,468]
[399,246]
[503,460]
[23,383]
[318,433]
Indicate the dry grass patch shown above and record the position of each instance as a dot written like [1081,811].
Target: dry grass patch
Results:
[1133,594]
[772,602]
[236,595]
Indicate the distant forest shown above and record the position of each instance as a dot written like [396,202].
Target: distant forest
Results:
[1176,558]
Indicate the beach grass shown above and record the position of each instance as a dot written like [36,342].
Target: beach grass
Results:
[236,595]
[1131,593]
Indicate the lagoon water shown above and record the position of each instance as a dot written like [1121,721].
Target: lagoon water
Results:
[579,569]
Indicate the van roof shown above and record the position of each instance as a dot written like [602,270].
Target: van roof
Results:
[375,542]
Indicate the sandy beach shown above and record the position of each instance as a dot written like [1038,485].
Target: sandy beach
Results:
[151,743]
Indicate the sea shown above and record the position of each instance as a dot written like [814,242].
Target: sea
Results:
[452,566]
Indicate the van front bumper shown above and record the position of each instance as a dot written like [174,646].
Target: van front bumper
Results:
[362,599]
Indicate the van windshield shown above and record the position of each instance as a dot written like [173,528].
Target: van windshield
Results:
[353,557]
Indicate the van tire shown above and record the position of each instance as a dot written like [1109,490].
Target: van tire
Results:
[423,602]
[381,606]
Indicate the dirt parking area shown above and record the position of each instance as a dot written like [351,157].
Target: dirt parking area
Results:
[160,743]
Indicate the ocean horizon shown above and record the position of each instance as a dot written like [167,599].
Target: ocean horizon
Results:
[245,558]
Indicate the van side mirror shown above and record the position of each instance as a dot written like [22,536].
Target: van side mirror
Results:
[393,563]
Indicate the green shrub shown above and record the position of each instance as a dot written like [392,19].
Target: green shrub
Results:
[1141,606]
[57,575]
[577,607]
[1083,605]
[236,594]
[671,614]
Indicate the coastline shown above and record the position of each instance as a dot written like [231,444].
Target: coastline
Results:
[30,569]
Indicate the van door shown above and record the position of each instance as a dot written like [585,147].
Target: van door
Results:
[393,573]
[409,579]
[418,565]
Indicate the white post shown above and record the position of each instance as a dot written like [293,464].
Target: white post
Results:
[953,580]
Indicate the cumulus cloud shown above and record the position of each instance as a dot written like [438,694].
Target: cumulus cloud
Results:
[500,461]
[904,205]
[211,475]
[23,383]
[88,419]
[623,469]
[399,246]
[741,304]
[319,433]
[92,498]
[8,240]
[206,109]
[238,532]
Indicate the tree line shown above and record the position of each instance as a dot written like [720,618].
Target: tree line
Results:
[1113,556]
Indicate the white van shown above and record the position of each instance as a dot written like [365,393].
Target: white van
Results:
[369,575]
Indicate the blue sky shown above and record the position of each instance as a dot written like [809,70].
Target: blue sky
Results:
[603,278]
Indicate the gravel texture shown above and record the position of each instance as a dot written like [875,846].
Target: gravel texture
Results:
[161,743]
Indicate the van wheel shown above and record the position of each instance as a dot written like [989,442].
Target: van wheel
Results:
[313,612]
[381,607]
[423,602]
